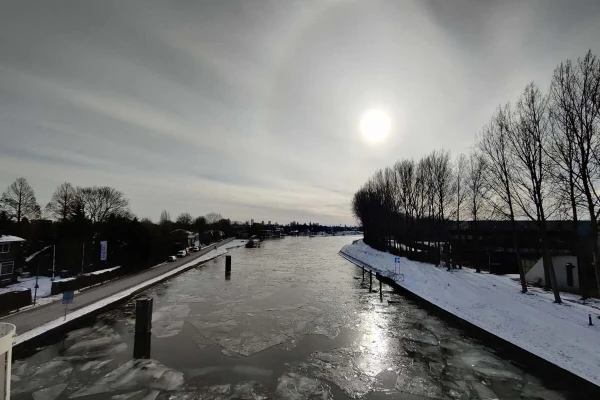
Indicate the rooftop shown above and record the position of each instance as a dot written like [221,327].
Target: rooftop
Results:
[10,238]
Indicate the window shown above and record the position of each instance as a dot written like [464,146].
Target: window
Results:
[4,247]
[6,268]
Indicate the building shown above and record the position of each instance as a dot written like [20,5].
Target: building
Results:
[10,257]
[565,270]
[183,239]
[490,243]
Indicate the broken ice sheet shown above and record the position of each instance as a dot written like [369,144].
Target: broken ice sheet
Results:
[135,374]
[485,364]
[293,386]
[420,336]
[534,389]
[96,348]
[49,393]
[249,343]
[340,367]
[99,342]
[169,320]
[244,391]
[42,376]
[414,378]
[163,329]
[93,365]
[149,394]
[251,370]
[172,312]
[319,326]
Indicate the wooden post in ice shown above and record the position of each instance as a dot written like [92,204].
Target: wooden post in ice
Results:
[590,319]
[363,268]
[370,280]
[143,327]
[380,290]
[228,267]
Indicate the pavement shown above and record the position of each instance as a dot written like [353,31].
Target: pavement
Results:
[29,319]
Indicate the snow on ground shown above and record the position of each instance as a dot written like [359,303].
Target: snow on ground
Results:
[558,333]
[103,271]
[234,243]
[44,283]
[25,336]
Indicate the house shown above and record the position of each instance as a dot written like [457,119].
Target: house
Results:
[10,257]
[183,239]
[490,243]
[565,270]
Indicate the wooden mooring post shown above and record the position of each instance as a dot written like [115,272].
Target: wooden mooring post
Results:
[143,328]
[228,267]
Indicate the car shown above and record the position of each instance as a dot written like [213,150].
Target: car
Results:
[181,253]
[194,249]
[171,258]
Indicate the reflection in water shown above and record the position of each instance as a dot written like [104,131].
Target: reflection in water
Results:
[295,322]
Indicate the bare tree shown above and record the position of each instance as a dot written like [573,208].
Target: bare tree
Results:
[575,94]
[19,202]
[200,224]
[494,147]
[165,217]
[461,177]
[185,219]
[213,218]
[476,193]
[528,137]
[444,187]
[99,203]
[406,196]
[61,204]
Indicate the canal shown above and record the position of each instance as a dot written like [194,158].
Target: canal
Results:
[294,321]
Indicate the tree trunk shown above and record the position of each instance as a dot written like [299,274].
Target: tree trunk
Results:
[594,225]
[594,238]
[547,260]
[518,256]
[477,246]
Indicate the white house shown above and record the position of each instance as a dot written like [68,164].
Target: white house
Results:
[565,268]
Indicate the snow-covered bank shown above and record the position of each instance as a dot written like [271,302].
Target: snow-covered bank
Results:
[558,333]
[25,336]
[44,284]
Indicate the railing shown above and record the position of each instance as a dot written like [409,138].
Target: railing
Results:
[7,333]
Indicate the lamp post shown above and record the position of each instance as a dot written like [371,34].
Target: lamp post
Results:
[37,275]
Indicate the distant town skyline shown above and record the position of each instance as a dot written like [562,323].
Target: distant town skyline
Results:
[274,109]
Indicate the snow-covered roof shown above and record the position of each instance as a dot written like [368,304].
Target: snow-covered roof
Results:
[10,238]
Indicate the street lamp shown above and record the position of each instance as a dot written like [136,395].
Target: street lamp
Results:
[37,275]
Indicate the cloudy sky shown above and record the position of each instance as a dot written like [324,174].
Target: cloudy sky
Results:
[251,108]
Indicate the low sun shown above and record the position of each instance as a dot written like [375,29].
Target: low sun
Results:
[375,125]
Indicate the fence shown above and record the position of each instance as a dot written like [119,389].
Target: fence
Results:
[10,301]
[85,280]
[7,333]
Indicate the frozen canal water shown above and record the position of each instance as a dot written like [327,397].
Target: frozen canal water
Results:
[293,322]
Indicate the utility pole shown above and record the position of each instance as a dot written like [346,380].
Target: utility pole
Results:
[37,275]
[53,259]
[82,256]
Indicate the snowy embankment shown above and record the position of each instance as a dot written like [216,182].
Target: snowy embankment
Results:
[25,336]
[558,333]
[44,285]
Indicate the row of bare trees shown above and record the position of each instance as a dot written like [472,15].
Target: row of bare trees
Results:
[95,203]
[536,159]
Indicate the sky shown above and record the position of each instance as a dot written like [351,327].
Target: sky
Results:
[252,108]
